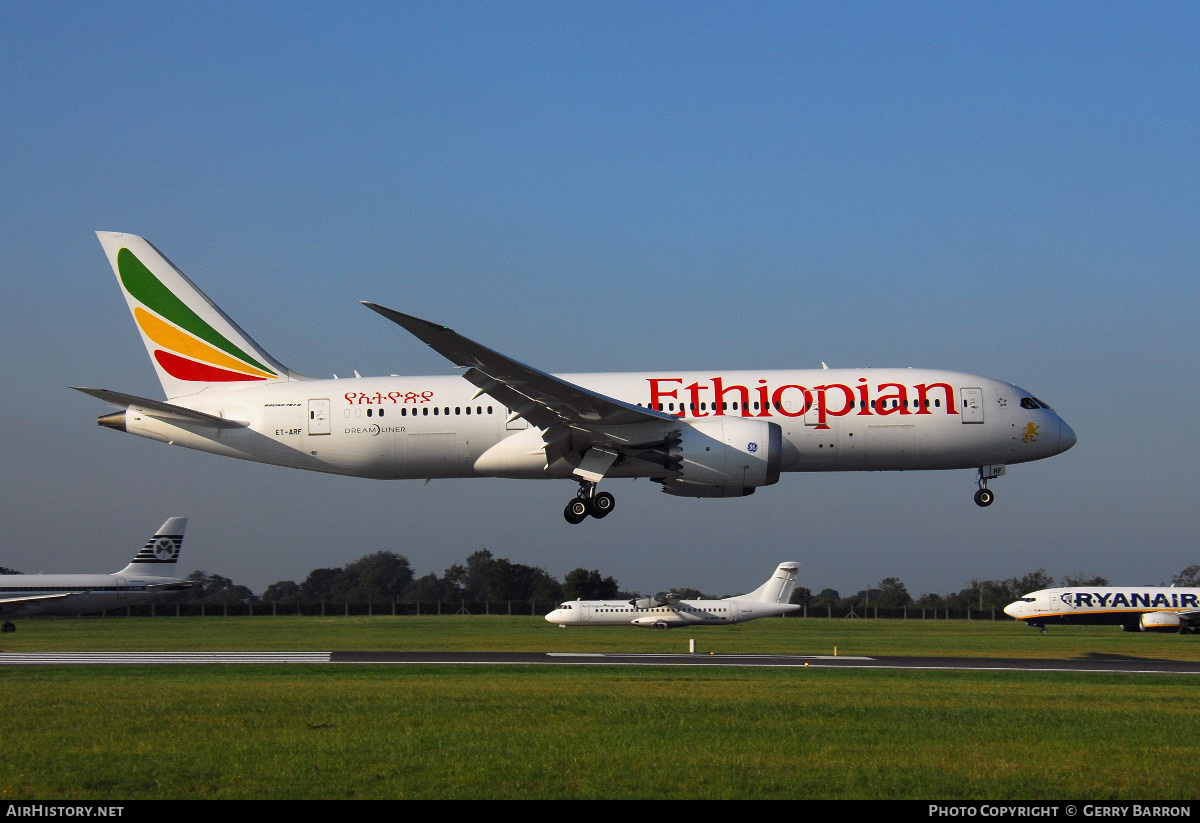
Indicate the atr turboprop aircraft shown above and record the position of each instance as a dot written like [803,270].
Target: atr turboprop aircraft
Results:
[23,595]
[666,610]
[1146,608]
[698,434]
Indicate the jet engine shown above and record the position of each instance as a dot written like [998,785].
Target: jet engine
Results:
[1160,622]
[724,457]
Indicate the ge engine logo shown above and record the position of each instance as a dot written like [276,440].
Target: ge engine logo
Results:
[752,447]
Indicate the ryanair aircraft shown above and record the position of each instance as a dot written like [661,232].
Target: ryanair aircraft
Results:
[666,610]
[23,595]
[698,434]
[1146,609]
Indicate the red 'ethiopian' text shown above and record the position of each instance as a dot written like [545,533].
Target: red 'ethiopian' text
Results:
[715,398]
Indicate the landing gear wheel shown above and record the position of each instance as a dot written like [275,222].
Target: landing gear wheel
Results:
[576,511]
[9,627]
[601,505]
[984,497]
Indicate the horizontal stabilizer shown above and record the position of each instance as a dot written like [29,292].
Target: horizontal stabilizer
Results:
[157,408]
[176,586]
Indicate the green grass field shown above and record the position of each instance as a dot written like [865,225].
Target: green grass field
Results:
[374,731]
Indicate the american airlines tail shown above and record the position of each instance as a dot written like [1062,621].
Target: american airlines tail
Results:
[779,588]
[193,344]
[158,557]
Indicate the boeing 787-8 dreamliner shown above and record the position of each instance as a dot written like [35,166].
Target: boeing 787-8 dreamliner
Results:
[712,433]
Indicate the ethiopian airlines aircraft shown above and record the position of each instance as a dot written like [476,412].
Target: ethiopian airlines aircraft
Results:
[663,611]
[1147,609]
[22,595]
[698,434]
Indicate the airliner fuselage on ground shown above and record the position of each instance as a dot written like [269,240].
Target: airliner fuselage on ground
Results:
[665,611]
[1146,608]
[24,595]
[698,433]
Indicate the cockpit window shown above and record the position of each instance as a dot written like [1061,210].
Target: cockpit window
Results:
[1043,404]
[1028,599]
[1028,403]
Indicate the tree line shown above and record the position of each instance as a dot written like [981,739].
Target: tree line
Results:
[386,577]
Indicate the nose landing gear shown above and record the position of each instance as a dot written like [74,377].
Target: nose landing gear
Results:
[589,502]
[985,496]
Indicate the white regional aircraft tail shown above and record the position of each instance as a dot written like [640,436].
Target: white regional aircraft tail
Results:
[192,343]
[779,588]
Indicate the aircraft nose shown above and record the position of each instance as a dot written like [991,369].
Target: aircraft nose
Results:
[1011,609]
[1066,436]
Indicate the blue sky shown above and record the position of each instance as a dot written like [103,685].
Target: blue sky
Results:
[1003,189]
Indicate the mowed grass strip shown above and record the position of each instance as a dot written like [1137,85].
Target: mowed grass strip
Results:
[130,732]
[914,637]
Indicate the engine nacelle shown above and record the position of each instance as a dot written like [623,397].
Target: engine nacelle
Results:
[652,602]
[1160,622]
[725,457]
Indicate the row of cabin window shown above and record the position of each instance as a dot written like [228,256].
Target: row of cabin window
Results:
[424,411]
[26,589]
[862,404]
[655,609]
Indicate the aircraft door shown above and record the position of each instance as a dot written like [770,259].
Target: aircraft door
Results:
[122,585]
[972,405]
[318,417]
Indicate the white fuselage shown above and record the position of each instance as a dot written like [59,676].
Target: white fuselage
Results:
[1148,607]
[89,592]
[683,613]
[443,426]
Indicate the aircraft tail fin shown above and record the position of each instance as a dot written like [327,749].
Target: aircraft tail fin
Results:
[158,557]
[778,589]
[192,343]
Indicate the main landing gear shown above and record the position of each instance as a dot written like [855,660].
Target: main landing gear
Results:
[985,496]
[8,627]
[589,502]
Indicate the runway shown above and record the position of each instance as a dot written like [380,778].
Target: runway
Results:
[1107,664]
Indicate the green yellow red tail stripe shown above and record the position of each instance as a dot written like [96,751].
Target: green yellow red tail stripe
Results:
[186,346]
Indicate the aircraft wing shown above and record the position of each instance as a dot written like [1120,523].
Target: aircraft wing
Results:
[1191,616]
[9,603]
[158,408]
[174,586]
[542,399]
